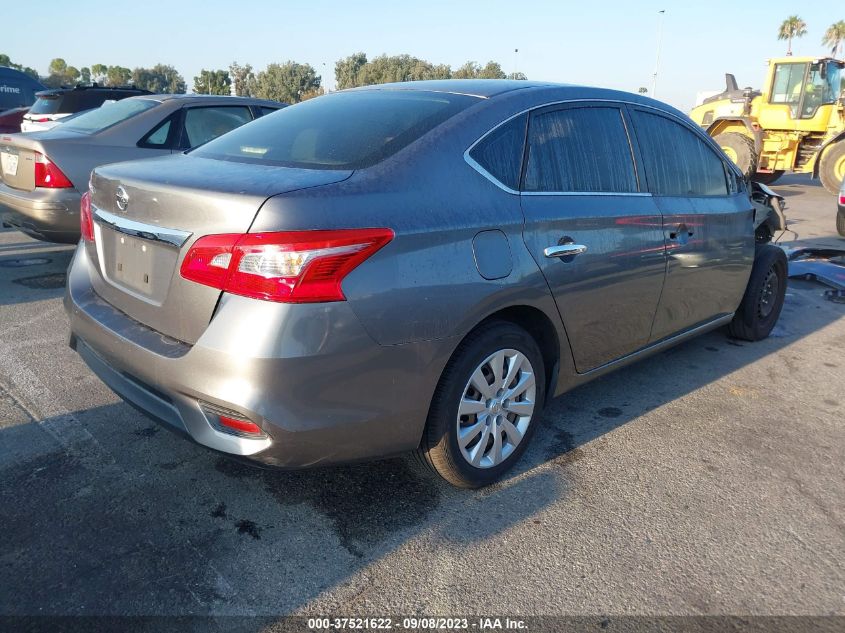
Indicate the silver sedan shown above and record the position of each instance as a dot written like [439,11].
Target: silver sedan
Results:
[43,174]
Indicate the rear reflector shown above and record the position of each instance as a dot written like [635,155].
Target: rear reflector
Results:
[231,422]
[288,267]
[244,426]
[86,220]
[48,175]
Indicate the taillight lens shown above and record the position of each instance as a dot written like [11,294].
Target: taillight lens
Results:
[86,219]
[48,175]
[289,267]
[842,198]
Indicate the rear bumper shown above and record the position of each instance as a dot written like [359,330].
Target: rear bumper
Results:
[317,384]
[45,214]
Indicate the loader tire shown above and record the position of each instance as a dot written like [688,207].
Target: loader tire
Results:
[740,149]
[832,167]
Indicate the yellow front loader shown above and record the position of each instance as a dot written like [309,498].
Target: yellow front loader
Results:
[796,123]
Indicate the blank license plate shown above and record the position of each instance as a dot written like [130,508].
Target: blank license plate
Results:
[9,163]
[133,263]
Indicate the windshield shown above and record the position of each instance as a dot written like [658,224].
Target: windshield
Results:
[108,114]
[346,130]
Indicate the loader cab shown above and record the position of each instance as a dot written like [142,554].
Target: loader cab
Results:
[808,91]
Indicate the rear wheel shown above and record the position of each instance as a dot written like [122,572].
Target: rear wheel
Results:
[763,300]
[486,406]
[832,167]
[740,149]
[767,179]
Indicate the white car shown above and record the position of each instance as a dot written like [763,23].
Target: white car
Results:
[54,105]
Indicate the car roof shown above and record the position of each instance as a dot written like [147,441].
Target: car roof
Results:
[195,98]
[484,88]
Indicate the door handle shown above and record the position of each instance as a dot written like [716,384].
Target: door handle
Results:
[565,250]
[682,229]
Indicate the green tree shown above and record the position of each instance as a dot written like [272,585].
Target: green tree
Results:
[347,70]
[243,79]
[161,78]
[834,36]
[85,75]
[99,73]
[60,74]
[469,70]
[118,76]
[792,27]
[286,82]
[6,61]
[213,82]
[492,71]
[518,75]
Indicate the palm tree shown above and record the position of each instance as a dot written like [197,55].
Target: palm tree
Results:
[834,37]
[793,26]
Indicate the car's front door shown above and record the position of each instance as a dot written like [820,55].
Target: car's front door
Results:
[708,223]
[593,229]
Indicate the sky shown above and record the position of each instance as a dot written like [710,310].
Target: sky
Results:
[610,44]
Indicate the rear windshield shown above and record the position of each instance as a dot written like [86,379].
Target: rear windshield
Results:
[346,130]
[108,114]
[49,104]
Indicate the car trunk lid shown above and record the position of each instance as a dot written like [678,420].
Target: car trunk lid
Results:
[149,213]
[17,161]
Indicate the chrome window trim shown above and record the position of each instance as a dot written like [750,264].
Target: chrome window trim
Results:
[173,237]
[477,167]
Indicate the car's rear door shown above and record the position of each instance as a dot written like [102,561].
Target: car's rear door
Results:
[592,228]
[708,222]
[201,124]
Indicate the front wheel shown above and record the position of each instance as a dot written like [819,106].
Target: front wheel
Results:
[741,150]
[763,300]
[486,406]
[832,167]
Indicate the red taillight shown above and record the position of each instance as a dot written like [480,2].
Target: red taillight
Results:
[842,199]
[48,175]
[290,267]
[86,220]
[43,120]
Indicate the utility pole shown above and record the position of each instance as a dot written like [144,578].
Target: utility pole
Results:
[660,13]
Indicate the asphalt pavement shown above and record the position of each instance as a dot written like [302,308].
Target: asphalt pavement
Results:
[709,479]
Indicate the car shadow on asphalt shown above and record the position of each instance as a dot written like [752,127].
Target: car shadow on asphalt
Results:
[109,514]
[32,271]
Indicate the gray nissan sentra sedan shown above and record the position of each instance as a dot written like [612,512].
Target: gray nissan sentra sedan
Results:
[412,267]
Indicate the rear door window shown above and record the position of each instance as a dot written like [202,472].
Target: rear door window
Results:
[677,161]
[207,123]
[579,149]
[500,152]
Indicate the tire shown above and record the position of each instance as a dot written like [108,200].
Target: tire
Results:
[740,149]
[763,299]
[840,223]
[767,179]
[832,167]
[440,449]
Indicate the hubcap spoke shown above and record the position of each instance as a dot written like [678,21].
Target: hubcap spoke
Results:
[526,381]
[467,434]
[496,454]
[526,407]
[468,407]
[513,368]
[480,382]
[497,364]
[478,449]
[514,436]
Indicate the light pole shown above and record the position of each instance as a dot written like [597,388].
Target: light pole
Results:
[660,13]
[515,65]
